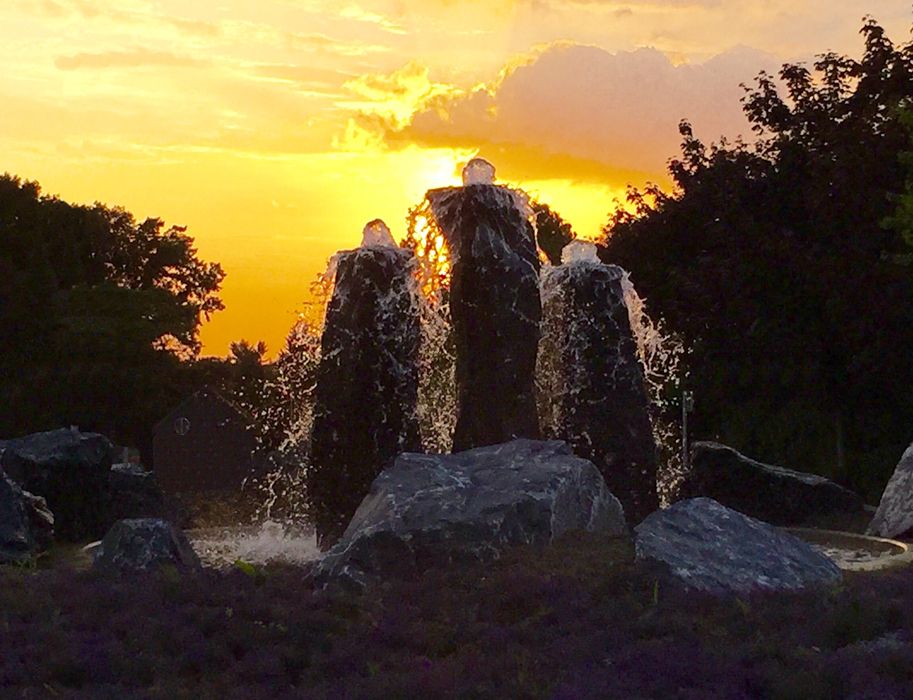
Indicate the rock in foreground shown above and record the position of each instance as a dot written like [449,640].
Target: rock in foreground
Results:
[427,510]
[705,546]
[144,544]
[772,494]
[894,516]
[70,470]
[26,524]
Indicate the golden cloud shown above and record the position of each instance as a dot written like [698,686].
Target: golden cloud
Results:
[575,111]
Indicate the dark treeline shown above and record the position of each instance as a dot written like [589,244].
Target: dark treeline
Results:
[99,318]
[784,266]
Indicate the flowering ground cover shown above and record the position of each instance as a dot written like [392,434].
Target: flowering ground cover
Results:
[578,620]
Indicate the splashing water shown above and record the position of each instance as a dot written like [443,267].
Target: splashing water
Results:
[478,171]
[271,542]
[661,353]
[377,234]
[579,251]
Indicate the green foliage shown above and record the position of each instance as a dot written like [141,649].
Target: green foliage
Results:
[770,261]
[901,219]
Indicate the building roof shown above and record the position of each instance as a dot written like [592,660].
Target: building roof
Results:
[207,393]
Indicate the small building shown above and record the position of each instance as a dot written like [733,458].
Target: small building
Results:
[204,444]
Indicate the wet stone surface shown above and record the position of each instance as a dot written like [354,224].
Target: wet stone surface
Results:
[367,382]
[495,311]
[593,380]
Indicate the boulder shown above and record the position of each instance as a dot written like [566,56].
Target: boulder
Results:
[144,544]
[428,510]
[69,470]
[705,546]
[894,516]
[133,492]
[773,494]
[26,524]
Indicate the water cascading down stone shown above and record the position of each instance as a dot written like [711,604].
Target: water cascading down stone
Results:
[595,394]
[494,305]
[367,381]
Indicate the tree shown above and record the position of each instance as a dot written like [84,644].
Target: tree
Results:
[96,313]
[770,261]
[553,232]
[901,219]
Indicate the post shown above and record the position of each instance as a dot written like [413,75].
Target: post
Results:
[687,407]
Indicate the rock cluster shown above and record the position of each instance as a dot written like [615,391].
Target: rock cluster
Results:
[69,470]
[72,474]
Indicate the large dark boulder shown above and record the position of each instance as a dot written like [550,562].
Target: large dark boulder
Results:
[593,380]
[133,492]
[145,544]
[495,310]
[703,546]
[69,469]
[776,495]
[429,510]
[26,524]
[894,516]
[367,382]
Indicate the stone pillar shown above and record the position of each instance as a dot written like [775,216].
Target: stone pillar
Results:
[495,308]
[367,381]
[596,394]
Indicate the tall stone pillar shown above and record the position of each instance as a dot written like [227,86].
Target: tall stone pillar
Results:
[367,381]
[495,308]
[594,383]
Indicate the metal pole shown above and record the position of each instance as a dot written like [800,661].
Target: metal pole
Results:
[687,407]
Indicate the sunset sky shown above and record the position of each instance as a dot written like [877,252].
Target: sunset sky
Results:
[274,129]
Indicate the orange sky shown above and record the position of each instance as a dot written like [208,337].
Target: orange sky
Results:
[274,129]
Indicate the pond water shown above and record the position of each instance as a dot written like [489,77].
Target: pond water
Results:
[852,552]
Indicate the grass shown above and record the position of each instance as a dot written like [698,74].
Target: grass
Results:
[577,620]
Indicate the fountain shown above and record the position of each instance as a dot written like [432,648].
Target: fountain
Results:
[494,307]
[367,381]
[595,395]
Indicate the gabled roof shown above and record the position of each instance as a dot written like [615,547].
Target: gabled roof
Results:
[207,393]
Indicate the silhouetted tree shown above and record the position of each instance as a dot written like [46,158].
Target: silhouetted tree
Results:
[96,313]
[553,232]
[771,262]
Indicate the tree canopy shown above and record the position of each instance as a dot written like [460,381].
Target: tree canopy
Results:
[96,312]
[778,262]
